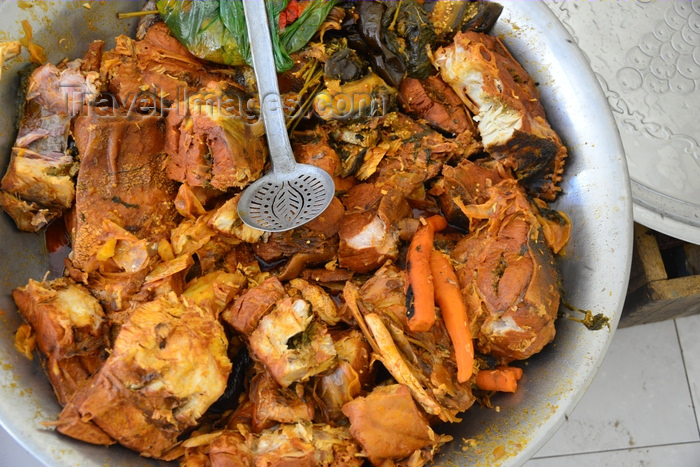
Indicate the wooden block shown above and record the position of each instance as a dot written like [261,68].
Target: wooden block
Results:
[662,300]
[647,264]
[652,296]
[692,258]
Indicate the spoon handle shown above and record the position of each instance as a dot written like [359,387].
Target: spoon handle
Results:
[266,77]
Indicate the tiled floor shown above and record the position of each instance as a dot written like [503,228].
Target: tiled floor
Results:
[642,409]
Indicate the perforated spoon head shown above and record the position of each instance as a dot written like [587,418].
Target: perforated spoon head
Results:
[283,201]
[291,194]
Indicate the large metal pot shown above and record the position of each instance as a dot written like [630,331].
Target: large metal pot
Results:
[595,268]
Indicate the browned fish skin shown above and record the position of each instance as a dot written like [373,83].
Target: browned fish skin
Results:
[248,309]
[512,122]
[433,100]
[274,404]
[368,232]
[467,181]
[159,64]
[209,149]
[121,178]
[507,274]
[388,424]
[38,184]
[168,365]
[71,331]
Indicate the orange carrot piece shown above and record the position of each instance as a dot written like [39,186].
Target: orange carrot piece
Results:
[454,312]
[503,378]
[420,294]
[517,371]
[437,223]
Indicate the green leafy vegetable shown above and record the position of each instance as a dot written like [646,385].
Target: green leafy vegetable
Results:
[408,33]
[200,27]
[215,30]
[283,61]
[296,35]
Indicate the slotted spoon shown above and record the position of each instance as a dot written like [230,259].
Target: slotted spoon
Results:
[291,194]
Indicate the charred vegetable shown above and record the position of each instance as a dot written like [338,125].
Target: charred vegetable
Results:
[390,66]
[216,30]
[409,33]
[449,17]
[345,65]
[396,35]
[481,16]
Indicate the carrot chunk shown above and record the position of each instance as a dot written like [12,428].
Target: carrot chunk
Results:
[454,312]
[503,379]
[420,294]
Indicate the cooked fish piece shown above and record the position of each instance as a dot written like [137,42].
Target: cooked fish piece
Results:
[38,185]
[303,444]
[507,274]
[358,147]
[505,102]
[335,446]
[313,147]
[155,71]
[214,291]
[28,216]
[337,389]
[168,365]
[63,89]
[44,179]
[436,102]
[388,424]
[71,331]
[230,450]
[207,237]
[322,305]
[326,224]
[395,151]
[286,445]
[407,153]
[122,180]
[304,247]
[93,58]
[368,232]
[273,404]
[467,181]
[327,277]
[72,424]
[347,380]
[212,255]
[225,220]
[114,289]
[416,154]
[291,344]
[248,309]
[209,146]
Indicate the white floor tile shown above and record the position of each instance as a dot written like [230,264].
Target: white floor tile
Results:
[679,455]
[12,453]
[639,398]
[689,334]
